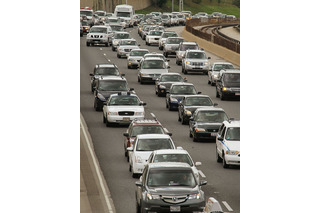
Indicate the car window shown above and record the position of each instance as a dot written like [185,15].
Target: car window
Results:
[231,77]
[188,47]
[223,132]
[233,134]
[211,116]
[157,33]
[107,71]
[183,89]
[130,42]
[153,144]
[171,78]
[124,100]
[112,86]
[184,158]
[158,178]
[138,53]
[197,55]
[153,64]
[174,40]
[218,67]
[122,36]
[138,130]
[98,30]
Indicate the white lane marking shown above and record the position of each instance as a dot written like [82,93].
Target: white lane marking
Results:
[227,206]
[105,55]
[97,169]
[100,48]
[201,173]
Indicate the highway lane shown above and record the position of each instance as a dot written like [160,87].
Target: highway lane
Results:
[223,184]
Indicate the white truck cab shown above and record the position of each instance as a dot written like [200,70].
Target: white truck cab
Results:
[126,12]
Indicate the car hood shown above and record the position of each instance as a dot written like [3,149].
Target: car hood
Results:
[126,108]
[196,60]
[154,71]
[176,190]
[233,145]
[209,125]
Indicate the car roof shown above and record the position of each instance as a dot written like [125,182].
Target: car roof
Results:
[152,136]
[146,122]
[176,165]
[207,96]
[222,63]
[170,151]
[170,73]
[209,109]
[237,71]
[153,59]
[189,42]
[112,77]
[181,83]
[195,51]
[121,32]
[106,65]
[232,123]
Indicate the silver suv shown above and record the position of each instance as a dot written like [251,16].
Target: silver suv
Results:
[164,37]
[172,45]
[125,46]
[99,35]
[195,61]
[183,46]
[117,37]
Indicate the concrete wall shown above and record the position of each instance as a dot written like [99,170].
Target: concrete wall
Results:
[109,5]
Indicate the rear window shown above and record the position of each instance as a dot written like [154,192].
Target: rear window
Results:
[154,144]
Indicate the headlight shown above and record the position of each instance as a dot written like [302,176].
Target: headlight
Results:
[215,76]
[139,113]
[112,113]
[116,42]
[153,197]
[188,62]
[173,100]
[162,86]
[131,59]
[200,130]
[195,196]
[120,49]
[232,152]
[206,63]
[187,112]
[225,89]
[101,97]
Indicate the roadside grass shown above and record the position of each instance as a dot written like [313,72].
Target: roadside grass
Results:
[208,6]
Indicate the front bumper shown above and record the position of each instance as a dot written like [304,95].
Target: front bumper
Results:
[159,206]
[193,68]
[231,93]
[119,119]
[97,40]
[232,159]
[205,135]
[153,41]
[173,105]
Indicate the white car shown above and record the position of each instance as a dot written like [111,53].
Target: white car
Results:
[122,108]
[214,73]
[125,46]
[156,55]
[228,143]
[143,146]
[117,37]
[164,37]
[150,69]
[153,37]
[175,155]
[99,35]
[195,61]
[135,56]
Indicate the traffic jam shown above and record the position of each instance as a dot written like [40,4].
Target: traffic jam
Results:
[150,56]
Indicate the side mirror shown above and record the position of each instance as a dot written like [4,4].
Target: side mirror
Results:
[142,104]
[126,134]
[123,74]
[201,49]
[220,138]
[209,57]
[138,44]
[131,89]
[185,80]
[168,66]
[215,104]
[169,133]
[168,60]
[138,183]
[130,148]
[203,182]
[199,92]
[198,163]
[91,74]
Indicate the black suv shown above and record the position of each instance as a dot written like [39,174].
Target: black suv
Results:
[169,187]
[190,103]
[228,85]
[103,70]
[105,86]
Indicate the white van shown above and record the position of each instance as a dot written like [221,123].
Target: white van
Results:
[126,12]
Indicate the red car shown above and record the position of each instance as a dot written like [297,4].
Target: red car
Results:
[145,126]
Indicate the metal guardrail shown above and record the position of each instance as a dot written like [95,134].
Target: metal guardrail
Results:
[215,36]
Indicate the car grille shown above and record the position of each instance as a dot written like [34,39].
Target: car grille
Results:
[126,113]
[174,199]
[127,50]
[96,36]
[212,130]
[197,63]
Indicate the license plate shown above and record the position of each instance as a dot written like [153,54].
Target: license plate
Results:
[126,119]
[238,93]
[174,208]
[213,134]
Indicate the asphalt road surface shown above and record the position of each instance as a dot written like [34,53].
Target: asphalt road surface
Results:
[223,184]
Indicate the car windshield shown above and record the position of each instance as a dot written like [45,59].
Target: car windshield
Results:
[113,20]
[112,86]
[139,130]
[86,13]
[174,40]
[154,144]
[218,67]
[166,35]
[183,90]
[233,134]
[198,101]
[117,28]
[122,36]
[158,178]
[124,100]
[188,47]
[155,56]
[164,17]
[180,16]
[198,55]
[184,158]
[138,53]
[100,13]
[232,77]
[211,116]
[156,33]
[171,78]
[131,42]
[123,14]
[153,64]
[98,30]
[107,71]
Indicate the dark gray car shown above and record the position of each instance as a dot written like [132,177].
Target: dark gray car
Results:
[169,187]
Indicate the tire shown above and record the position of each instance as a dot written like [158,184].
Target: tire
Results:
[107,123]
[182,70]
[165,54]
[118,56]
[113,49]
[95,105]
[130,169]
[209,82]
[161,48]
[222,97]
[195,139]
[179,119]
[104,119]
[224,163]
[217,93]
[107,44]
[185,72]
[138,79]
[88,44]
[167,105]
[212,83]
[183,121]
[218,158]
[138,208]
[190,134]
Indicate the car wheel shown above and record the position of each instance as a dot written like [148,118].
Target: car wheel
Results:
[195,139]
[222,96]
[138,79]
[167,105]
[107,123]
[179,118]
[209,82]
[118,56]
[190,134]
[185,72]
[182,70]
[138,208]
[130,168]
[104,118]
[107,44]
[224,163]
[212,83]
[165,54]
[88,44]
[170,108]
[218,158]
[217,93]
[183,121]
[161,48]
[95,105]
[113,49]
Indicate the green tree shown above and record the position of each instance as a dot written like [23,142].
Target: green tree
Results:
[236,3]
